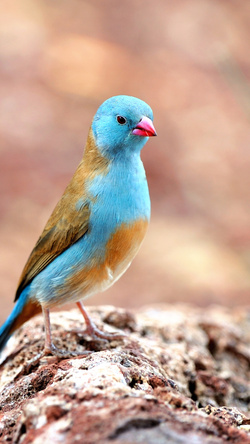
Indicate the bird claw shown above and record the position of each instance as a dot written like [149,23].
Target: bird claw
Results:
[95,333]
[54,351]
[51,350]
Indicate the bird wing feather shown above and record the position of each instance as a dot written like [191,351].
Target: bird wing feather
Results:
[70,218]
[66,225]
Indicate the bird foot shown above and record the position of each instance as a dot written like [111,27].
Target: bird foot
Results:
[54,352]
[93,331]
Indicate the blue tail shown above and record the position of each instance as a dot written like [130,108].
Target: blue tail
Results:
[23,310]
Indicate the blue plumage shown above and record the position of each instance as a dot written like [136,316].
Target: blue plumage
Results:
[99,223]
[113,139]
[6,328]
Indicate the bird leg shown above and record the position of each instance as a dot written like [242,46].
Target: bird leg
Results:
[93,331]
[49,347]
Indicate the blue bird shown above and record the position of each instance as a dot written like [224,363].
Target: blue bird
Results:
[97,226]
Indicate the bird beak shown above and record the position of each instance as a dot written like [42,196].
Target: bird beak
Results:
[144,128]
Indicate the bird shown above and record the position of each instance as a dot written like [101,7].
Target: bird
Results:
[97,226]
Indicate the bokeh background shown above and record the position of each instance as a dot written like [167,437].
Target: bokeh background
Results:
[190,61]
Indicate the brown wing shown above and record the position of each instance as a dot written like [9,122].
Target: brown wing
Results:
[67,223]
[65,227]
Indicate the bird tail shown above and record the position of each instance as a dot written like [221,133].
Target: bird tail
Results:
[24,309]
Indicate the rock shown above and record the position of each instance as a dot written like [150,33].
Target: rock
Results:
[180,376]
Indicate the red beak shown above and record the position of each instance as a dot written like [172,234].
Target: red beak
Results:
[145,128]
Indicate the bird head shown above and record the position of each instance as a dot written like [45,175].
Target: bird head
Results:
[122,125]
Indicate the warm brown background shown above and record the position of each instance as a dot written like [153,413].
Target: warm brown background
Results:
[190,61]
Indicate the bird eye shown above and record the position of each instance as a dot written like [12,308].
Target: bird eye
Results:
[121,120]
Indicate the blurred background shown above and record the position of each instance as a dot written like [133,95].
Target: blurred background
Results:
[190,61]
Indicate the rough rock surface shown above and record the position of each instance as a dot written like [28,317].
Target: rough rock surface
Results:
[181,375]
